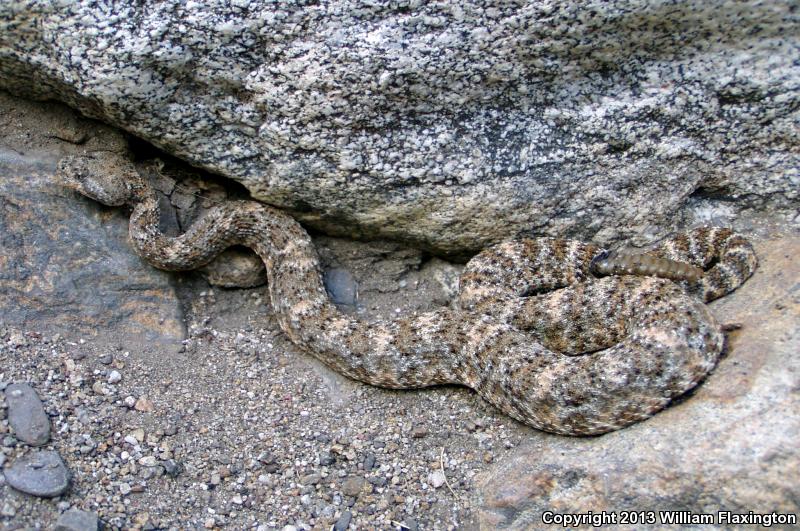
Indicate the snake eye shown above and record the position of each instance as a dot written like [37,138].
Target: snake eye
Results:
[597,265]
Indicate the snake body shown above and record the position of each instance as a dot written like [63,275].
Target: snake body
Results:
[533,331]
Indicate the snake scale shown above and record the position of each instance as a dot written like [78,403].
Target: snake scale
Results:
[535,330]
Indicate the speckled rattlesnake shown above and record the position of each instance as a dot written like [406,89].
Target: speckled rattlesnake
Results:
[534,331]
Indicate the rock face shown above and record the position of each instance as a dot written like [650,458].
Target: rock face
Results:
[450,124]
[732,445]
[65,265]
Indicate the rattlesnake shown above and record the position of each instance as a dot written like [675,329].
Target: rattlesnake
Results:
[534,331]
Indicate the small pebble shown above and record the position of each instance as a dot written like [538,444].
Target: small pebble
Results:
[17,339]
[144,405]
[343,522]
[114,377]
[8,510]
[142,521]
[138,434]
[311,479]
[379,481]
[436,478]
[419,432]
[148,460]
[171,467]
[353,486]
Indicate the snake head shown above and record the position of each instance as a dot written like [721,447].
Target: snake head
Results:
[100,176]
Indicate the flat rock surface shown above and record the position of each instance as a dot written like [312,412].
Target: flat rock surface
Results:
[731,445]
[65,264]
[26,414]
[450,124]
[40,473]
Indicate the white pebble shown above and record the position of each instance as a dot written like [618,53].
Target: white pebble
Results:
[114,377]
[436,479]
[148,460]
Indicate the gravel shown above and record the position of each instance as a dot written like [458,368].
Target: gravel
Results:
[235,428]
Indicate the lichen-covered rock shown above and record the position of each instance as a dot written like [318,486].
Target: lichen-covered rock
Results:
[731,446]
[450,124]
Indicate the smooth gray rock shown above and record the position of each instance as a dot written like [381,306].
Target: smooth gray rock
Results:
[451,124]
[76,520]
[341,286]
[40,473]
[26,414]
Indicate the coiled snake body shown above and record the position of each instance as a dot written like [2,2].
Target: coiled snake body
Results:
[534,331]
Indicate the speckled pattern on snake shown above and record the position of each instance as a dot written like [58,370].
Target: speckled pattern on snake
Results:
[533,331]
